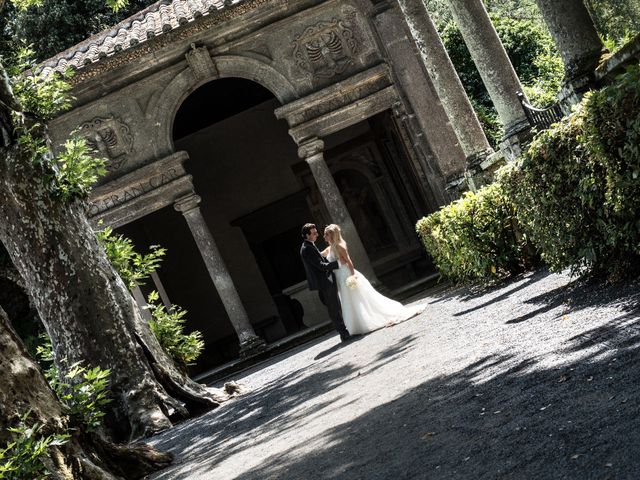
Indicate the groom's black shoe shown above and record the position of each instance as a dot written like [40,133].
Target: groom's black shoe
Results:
[346,337]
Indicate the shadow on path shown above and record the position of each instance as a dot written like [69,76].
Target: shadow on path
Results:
[499,417]
[578,423]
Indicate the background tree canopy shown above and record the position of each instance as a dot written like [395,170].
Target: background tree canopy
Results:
[56,25]
[530,47]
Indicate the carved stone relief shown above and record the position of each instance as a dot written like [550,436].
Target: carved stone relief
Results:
[327,48]
[110,137]
[200,62]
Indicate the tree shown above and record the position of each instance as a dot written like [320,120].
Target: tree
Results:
[23,389]
[87,310]
[74,21]
[532,53]
[616,20]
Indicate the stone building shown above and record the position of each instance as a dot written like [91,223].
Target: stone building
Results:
[229,124]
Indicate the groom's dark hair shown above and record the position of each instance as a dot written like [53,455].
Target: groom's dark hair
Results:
[306,229]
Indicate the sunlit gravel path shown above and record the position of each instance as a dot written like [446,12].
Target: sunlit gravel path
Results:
[538,378]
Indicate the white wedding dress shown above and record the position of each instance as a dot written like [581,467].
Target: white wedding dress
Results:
[363,308]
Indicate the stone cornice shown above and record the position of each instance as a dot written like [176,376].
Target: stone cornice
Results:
[183,33]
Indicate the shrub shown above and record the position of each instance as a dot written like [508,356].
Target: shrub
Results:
[578,188]
[132,266]
[168,326]
[82,391]
[475,237]
[21,459]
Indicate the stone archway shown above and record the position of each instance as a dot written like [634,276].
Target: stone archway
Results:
[165,103]
[239,161]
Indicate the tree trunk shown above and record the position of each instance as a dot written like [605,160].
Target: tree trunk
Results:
[84,305]
[23,388]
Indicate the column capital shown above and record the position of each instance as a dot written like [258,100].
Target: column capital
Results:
[188,203]
[310,148]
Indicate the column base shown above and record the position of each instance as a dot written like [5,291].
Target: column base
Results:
[252,346]
[514,144]
[480,171]
[572,91]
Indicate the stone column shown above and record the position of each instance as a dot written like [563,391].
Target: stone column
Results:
[312,152]
[445,79]
[492,62]
[577,40]
[250,343]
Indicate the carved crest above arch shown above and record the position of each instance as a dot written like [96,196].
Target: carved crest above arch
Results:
[109,136]
[201,63]
[327,48]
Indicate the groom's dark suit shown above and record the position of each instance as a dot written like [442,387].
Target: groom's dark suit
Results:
[321,278]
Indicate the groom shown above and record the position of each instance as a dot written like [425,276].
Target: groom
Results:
[321,278]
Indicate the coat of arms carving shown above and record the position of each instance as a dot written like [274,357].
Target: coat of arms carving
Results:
[110,137]
[326,49]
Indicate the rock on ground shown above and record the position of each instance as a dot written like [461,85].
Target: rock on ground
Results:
[537,378]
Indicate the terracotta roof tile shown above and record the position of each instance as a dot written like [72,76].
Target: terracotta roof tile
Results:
[161,17]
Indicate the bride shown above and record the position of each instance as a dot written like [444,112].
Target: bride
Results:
[363,308]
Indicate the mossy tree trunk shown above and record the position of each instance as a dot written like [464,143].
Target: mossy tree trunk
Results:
[23,389]
[84,305]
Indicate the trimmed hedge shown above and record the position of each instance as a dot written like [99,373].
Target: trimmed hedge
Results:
[475,237]
[574,196]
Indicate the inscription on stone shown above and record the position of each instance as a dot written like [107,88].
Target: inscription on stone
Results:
[132,191]
[110,137]
[327,48]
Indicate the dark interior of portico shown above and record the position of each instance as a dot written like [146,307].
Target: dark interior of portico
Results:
[256,194]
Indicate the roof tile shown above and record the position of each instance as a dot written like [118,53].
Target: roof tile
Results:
[161,17]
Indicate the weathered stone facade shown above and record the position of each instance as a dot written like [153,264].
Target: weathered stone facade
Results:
[350,84]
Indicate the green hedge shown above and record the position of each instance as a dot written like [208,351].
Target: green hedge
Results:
[578,188]
[574,196]
[475,237]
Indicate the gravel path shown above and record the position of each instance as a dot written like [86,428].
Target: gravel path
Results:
[536,379]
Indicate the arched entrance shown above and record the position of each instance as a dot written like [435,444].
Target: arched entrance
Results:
[240,158]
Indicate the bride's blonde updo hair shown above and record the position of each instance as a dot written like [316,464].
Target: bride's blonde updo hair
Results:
[336,235]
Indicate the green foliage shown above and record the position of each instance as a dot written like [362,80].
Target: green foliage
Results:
[615,43]
[578,188]
[82,391]
[168,328]
[476,237]
[77,170]
[132,267]
[55,25]
[616,20]
[24,4]
[43,97]
[543,89]
[490,122]
[22,458]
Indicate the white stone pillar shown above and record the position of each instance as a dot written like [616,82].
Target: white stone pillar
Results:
[492,62]
[445,79]
[312,152]
[250,343]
